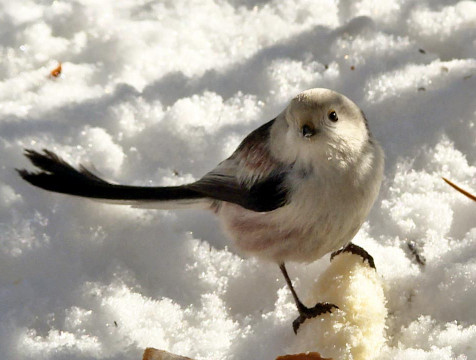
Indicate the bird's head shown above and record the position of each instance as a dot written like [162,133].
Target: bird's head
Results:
[321,123]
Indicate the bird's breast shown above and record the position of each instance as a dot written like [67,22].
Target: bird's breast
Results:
[318,218]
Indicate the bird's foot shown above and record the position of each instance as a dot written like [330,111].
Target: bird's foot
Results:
[309,313]
[357,250]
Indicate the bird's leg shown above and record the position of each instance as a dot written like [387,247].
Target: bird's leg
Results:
[357,250]
[304,312]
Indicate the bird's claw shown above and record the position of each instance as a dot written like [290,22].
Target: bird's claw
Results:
[309,313]
[357,250]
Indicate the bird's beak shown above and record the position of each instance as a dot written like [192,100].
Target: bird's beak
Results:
[308,131]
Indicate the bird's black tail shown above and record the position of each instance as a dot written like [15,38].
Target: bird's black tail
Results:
[58,176]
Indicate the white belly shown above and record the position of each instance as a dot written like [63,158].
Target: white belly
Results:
[289,233]
[320,217]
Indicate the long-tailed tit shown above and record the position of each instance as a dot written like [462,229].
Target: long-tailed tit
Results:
[298,187]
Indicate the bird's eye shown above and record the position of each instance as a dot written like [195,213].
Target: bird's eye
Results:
[332,116]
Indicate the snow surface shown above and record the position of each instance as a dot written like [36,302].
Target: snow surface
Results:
[158,92]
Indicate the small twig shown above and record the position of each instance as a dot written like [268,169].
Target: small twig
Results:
[464,192]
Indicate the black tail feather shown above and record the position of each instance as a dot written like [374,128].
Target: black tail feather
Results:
[59,176]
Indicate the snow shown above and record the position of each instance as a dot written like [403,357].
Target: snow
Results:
[158,92]
[357,329]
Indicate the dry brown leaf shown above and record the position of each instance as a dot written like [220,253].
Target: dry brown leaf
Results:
[155,354]
[303,356]
[57,71]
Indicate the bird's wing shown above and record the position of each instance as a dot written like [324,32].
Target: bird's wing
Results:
[249,178]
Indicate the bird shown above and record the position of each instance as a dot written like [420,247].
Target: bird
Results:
[296,188]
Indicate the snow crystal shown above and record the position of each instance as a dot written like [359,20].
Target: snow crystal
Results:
[159,92]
